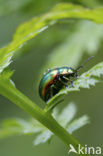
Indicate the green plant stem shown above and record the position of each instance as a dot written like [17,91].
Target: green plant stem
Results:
[14,95]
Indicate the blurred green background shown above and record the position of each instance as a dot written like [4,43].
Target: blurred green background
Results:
[32,61]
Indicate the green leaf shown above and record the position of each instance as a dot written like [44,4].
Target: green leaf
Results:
[6,75]
[30,29]
[17,126]
[11,127]
[43,137]
[66,115]
[90,77]
[78,123]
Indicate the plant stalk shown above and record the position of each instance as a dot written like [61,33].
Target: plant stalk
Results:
[13,94]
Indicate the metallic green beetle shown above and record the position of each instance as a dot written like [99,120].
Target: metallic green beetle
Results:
[54,80]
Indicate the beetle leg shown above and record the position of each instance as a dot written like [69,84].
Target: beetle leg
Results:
[69,81]
[65,84]
[51,90]
[72,83]
[66,78]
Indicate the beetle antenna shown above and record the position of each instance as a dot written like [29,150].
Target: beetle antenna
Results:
[82,66]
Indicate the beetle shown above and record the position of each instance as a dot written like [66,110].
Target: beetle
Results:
[55,79]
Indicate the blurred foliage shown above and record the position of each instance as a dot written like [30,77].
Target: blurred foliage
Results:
[86,38]
[10,127]
[30,29]
[64,43]
[34,7]
[11,5]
